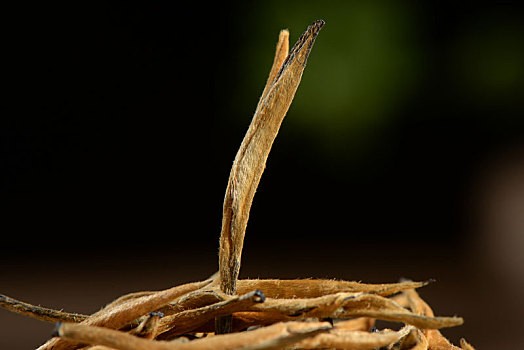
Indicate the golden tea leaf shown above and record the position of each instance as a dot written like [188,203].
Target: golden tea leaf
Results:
[251,157]
[250,160]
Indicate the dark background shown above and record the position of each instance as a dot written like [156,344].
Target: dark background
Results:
[401,156]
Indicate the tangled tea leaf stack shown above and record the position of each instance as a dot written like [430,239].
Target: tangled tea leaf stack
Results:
[223,312]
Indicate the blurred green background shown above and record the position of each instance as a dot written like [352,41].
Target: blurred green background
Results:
[401,156]
[377,59]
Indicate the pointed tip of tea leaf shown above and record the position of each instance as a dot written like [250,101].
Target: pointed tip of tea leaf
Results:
[465,345]
[302,47]
[422,284]
[320,23]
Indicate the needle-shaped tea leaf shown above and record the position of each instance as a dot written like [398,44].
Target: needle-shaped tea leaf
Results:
[250,160]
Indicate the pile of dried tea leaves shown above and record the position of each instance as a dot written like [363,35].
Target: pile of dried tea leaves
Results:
[224,312]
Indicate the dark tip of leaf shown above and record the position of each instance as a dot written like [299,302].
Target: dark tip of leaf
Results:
[259,296]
